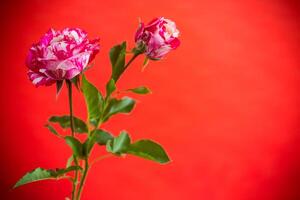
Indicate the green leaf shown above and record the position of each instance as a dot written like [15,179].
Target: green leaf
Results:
[97,136]
[110,87]
[52,130]
[101,137]
[40,174]
[149,150]
[115,106]
[119,144]
[140,90]
[35,175]
[64,122]
[117,59]
[94,101]
[59,85]
[75,145]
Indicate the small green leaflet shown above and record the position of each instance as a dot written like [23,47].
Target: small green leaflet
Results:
[64,122]
[75,145]
[124,105]
[119,144]
[149,150]
[101,136]
[146,149]
[40,174]
[140,90]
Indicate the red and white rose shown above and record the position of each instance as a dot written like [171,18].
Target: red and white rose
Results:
[60,55]
[157,38]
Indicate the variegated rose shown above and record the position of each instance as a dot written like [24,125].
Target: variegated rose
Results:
[157,38]
[60,55]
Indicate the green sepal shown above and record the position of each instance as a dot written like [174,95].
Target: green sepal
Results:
[59,85]
[145,63]
[140,49]
[64,122]
[40,174]
[76,81]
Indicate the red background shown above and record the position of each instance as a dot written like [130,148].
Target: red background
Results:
[225,104]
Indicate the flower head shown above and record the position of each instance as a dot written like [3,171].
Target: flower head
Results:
[60,55]
[157,38]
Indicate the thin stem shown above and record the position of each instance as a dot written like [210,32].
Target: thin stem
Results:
[69,85]
[129,62]
[82,181]
[86,168]
[75,179]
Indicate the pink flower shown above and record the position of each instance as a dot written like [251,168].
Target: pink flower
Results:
[157,38]
[60,55]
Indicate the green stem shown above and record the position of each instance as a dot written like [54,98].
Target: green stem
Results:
[69,85]
[86,168]
[131,60]
[75,179]
[82,181]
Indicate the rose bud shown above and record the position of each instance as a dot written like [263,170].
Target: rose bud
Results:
[60,55]
[157,38]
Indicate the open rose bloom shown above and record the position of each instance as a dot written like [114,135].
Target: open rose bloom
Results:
[158,38]
[60,55]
